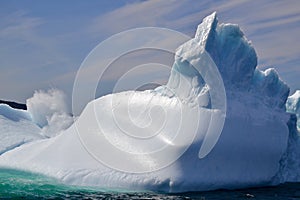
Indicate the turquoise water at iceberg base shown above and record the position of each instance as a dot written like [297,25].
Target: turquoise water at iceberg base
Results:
[24,185]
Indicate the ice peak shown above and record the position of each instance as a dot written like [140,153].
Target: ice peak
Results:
[204,29]
[235,58]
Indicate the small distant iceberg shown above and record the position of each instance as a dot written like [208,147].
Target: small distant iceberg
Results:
[293,105]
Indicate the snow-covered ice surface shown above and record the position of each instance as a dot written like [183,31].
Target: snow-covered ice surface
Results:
[46,116]
[17,128]
[254,149]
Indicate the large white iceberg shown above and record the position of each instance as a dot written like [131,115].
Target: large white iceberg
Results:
[250,151]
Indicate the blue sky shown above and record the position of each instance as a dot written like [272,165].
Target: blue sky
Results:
[42,43]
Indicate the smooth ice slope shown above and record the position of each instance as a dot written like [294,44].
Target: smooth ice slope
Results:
[248,153]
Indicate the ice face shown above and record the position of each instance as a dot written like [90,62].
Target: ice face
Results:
[232,52]
[293,105]
[290,163]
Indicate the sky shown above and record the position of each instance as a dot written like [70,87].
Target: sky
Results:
[43,43]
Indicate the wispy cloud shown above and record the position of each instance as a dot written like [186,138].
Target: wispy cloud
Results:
[140,14]
[272,26]
[29,59]
[18,26]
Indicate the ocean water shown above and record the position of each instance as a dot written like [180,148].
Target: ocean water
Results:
[23,185]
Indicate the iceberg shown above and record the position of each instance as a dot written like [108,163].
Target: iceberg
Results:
[251,149]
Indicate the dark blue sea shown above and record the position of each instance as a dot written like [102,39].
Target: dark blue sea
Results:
[23,185]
